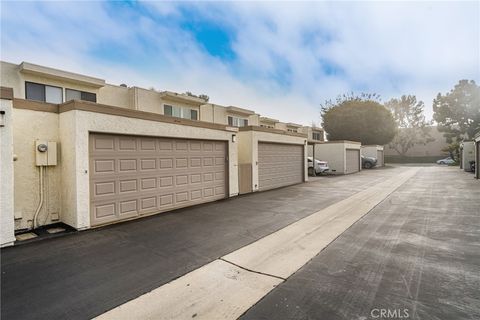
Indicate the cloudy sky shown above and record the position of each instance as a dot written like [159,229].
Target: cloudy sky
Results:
[280,59]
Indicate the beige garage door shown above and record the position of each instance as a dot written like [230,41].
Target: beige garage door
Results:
[279,165]
[131,175]
[380,158]
[353,160]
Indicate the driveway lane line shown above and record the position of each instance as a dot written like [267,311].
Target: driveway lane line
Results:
[286,250]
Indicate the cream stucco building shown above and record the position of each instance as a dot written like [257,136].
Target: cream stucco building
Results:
[83,152]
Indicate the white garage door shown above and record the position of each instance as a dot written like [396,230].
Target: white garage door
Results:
[380,158]
[131,175]
[353,160]
[279,165]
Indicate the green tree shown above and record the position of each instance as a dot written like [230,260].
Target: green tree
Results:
[458,112]
[201,96]
[359,118]
[412,127]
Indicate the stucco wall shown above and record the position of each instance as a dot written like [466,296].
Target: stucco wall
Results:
[245,143]
[371,151]
[248,149]
[431,149]
[281,126]
[67,129]
[13,78]
[7,236]
[468,154]
[477,156]
[334,154]
[218,114]
[148,100]
[115,96]
[29,126]
[75,127]
[10,77]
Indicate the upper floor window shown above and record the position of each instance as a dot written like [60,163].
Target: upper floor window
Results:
[179,112]
[237,122]
[43,93]
[267,126]
[317,136]
[292,130]
[72,94]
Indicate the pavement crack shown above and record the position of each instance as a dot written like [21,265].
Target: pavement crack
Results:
[250,270]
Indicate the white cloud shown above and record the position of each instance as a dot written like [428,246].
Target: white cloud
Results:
[283,50]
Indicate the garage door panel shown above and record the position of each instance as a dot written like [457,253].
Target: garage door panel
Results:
[131,176]
[128,207]
[380,157]
[279,165]
[352,160]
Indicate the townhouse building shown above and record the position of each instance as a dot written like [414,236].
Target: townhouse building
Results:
[87,153]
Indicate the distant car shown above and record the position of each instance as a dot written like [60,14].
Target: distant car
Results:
[447,160]
[320,166]
[368,162]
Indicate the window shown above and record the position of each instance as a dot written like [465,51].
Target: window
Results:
[292,130]
[53,94]
[194,114]
[237,122]
[72,94]
[267,126]
[179,112]
[317,136]
[43,93]
[167,110]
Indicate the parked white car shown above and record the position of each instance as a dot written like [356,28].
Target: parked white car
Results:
[447,160]
[320,166]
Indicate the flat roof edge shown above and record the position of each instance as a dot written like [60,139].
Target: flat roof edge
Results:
[270,130]
[30,68]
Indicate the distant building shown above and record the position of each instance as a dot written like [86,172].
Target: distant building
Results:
[428,152]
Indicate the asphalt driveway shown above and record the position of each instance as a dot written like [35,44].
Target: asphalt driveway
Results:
[82,275]
[415,256]
[422,238]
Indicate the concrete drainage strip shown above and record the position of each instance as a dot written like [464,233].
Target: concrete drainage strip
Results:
[230,285]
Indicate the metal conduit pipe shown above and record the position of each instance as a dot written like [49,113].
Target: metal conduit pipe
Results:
[40,204]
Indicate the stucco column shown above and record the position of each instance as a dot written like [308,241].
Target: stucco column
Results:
[7,222]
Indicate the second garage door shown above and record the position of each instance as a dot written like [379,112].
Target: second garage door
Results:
[353,160]
[131,176]
[279,165]
[380,158]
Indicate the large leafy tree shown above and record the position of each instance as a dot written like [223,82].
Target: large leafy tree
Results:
[359,118]
[458,112]
[409,116]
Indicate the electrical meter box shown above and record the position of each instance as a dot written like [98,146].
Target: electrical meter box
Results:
[45,153]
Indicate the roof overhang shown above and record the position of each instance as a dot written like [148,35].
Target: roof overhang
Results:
[182,98]
[313,142]
[269,120]
[240,111]
[343,141]
[271,130]
[293,125]
[55,74]
[477,137]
